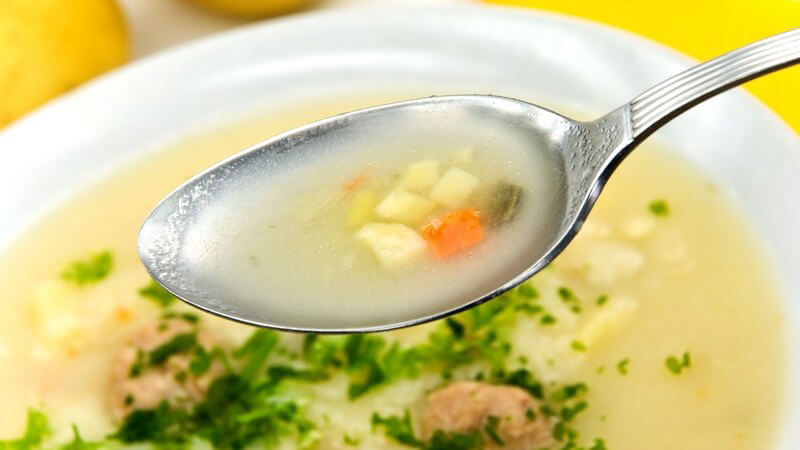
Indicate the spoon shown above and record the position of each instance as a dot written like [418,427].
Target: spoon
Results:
[583,154]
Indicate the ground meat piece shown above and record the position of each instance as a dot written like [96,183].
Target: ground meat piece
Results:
[467,406]
[170,380]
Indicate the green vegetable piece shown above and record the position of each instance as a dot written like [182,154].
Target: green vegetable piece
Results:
[622,366]
[569,392]
[397,428]
[350,440]
[492,424]
[441,440]
[180,343]
[154,292]
[548,319]
[578,346]
[659,208]
[78,443]
[504,203]
[37,429]
[598,444]
[602,300]
[255,351]
[90,271]
[201,361]
[676,365]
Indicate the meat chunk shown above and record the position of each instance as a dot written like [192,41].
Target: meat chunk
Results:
[468,406]
[137,382]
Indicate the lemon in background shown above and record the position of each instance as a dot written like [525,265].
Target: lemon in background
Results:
[253,8]
[49,46]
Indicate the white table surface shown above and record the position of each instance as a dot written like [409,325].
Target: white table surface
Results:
[158,24]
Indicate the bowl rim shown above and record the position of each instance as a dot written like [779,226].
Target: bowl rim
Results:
[81,105]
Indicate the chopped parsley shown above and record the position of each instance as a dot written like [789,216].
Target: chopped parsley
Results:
[351,441]
[397,428]
[78,443]
[491,430]
[548,319]
[570,299]
[526,290]
[400,430]
[676,365]
[96,268]
[578,346]
[622,366]
[179,344]
[659,208]
[454,441]
[602,300]
[154,292]
[37,429]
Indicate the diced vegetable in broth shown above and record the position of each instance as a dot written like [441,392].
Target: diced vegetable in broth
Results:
[418,228]
[421,176]
[454,188]
[405,207]
[361,208]
[395,245]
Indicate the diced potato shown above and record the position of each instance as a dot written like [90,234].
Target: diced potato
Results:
[361,208]
[405,207]
[421,176]
[463,157]
[395,245]
[454,188]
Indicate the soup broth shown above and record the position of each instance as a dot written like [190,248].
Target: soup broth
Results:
[660,327]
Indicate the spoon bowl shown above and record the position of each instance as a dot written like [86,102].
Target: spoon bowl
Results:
[581,155]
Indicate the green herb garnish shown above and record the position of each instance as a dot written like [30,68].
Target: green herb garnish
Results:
[154,292]
[491,430]
[622,366]
[677,366]
[397,428]
[578,346]
[601,300]
[180,343]
[659,208]
[37,429]
[96,268]
[547,319]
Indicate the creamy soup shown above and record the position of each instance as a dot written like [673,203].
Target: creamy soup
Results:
[660,327]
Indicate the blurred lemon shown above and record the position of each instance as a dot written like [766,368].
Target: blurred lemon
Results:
[253,8]
[49,46]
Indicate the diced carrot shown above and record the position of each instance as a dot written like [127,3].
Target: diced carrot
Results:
[454,232]
[355,183]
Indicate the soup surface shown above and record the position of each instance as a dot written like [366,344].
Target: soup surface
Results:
[660,327]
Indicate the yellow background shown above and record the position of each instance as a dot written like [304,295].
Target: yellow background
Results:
[702,29]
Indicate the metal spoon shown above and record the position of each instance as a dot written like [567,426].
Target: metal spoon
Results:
[585,155]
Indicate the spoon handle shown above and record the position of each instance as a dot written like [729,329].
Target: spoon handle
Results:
[659,104]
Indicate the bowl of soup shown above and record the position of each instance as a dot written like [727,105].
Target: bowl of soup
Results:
[670,321]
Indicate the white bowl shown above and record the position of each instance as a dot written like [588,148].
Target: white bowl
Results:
[546,58]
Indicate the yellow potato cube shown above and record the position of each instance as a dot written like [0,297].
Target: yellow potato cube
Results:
[421,176]
[454,188]
[395,245]
[360,211]
[405,207]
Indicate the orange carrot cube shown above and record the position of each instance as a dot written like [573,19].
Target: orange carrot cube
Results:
[454,232]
